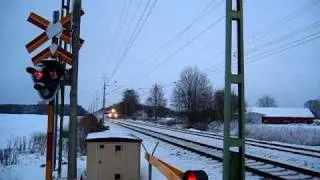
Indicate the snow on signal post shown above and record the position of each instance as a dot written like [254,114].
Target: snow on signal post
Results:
[51,30]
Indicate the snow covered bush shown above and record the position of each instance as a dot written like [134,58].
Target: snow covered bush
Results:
[8,156]
[21,145]
[302,134]
[290,133]
[217,127]
[38,143]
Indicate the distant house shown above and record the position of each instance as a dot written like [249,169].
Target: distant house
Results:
[141,114]
[277,115]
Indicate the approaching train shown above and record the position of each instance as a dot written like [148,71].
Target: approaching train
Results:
[113,114]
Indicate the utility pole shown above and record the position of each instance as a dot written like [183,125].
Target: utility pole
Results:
[73,123]
[103,98]
[234,162]
[65,9]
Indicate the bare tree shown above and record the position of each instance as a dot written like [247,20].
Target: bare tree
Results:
[193,92]
[219,105]
[267,101]
[314,107]
[130,102]
[156,100]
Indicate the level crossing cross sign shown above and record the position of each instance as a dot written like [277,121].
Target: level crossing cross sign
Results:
[51,30]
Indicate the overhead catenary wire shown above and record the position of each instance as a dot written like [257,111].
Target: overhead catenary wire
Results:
[140,24]
[272,27]
[120,87]
[182,47]
[275,50]
[287,18]
[202,14]
[119,28]
[185,45]
[267,32]
[276,41]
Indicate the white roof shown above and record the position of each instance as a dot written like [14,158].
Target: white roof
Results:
[110,134]
[282,112]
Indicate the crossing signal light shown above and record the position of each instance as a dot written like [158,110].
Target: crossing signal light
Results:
[46,78]
[195,175]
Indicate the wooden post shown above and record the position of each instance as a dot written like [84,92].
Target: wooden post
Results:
[73,123]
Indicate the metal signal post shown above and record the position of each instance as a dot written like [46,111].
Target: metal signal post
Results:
[65,9]
[234,161]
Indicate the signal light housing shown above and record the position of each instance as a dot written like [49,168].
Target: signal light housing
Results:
[46,78]
[195,175]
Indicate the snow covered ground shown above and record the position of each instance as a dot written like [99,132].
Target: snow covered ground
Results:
[19,125]
[299,160]
[29,165]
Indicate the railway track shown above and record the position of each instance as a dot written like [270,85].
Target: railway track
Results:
[263,167]
[269,145]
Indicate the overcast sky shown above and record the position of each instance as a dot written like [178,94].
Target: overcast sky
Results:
[291,75]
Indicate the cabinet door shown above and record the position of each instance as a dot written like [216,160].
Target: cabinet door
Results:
[109,162]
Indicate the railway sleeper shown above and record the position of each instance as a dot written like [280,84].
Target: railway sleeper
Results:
[254,164]
[280,172]
[274,170]
[298,176]
[265,166]
[286,173]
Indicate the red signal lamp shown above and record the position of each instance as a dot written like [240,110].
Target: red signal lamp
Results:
[195,175]
[53,75]
[38,75]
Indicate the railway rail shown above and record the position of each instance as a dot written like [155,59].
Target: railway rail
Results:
[264,144]
[257,165]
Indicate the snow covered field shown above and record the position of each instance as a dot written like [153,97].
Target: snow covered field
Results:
[19,125]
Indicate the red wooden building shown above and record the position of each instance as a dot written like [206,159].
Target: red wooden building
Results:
[279,115]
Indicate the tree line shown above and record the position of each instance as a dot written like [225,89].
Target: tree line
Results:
[193,97]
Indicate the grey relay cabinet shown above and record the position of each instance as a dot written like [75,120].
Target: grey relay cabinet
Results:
[113,156]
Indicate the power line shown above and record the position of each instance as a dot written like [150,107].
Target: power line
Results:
[134,35]
[120,27]
[275,25]
[288,18]
[270,29]
[123,86]
[277,50]
[287,46]
[285,37]
[183,47]
[117,33]
[202,15]
[135,16]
